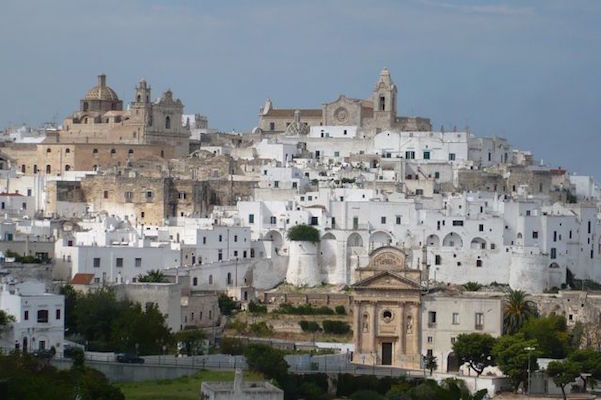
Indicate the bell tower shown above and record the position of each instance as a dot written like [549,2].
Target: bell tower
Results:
[384,101]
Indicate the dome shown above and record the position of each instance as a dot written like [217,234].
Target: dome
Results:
[101,91]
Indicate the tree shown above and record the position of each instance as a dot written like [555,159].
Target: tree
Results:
[430,363]
[5,319]
[517,310]
[191,340]
[475,349]
[153,276]
[551,334]
[563,373]
[71,297]
[267,360]
[303,233]
[589,365]
[510,355]
[226,304]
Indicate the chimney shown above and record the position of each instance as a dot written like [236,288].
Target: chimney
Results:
[102,80]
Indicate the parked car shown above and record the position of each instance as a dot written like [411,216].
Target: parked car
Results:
[129,358]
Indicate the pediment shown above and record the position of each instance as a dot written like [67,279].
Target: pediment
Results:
[387,280]
[387,258]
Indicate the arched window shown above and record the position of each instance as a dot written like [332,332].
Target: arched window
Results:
[95,151]
[130,151]
[48,150]
[35,168]
[229,278]
[113,151]
[48,169]
[167,122]
[23,168]
[67,167]
[67,150]
[139,98]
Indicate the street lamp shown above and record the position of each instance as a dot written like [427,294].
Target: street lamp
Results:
[529,349]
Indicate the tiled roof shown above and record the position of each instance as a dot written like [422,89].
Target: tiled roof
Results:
[82,279]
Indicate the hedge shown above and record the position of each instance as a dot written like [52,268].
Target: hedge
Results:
[303,233]
[309,326]
[257,308]
[336,327]
[304,309]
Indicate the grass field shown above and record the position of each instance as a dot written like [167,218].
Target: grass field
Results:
[185,388]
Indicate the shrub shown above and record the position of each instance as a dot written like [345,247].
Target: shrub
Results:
[340,310]
[257,308]
[266,360]
[238,326]
[232,346]
[226,304]
[472,286]
[304,233]
[309,326]
[336,327]
[260,329]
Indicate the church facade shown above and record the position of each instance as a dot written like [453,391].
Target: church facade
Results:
[373,115]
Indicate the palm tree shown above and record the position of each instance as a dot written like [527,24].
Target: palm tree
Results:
[154,275]
[517,310]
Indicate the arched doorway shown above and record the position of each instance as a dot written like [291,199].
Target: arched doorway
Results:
[452,362]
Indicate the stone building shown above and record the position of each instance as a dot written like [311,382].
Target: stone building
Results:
[374,114]
[386,311]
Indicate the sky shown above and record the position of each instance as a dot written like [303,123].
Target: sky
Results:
[526,71]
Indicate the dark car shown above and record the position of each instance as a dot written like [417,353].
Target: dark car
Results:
[129,358]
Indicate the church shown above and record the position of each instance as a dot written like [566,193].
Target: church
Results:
[373,115]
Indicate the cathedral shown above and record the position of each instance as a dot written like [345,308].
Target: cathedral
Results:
[373,115]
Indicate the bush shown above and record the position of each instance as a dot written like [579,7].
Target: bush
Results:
[232,346]
[336,327]
[303,233]
[340,310]
[267,360]
[367,395]
[257,308]
[238,326]
[260,329]
[226,304]
[309,326]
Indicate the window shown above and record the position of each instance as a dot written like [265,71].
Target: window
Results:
[276,184]
[235,238]
[336,154]
[430,339]
[252,253]
[42,316]
[26,316]
[481,227]
[182,195]
[106,194]
[457,223]
[229,278]
[244,253]
[58,314]
[204,240]
[210,279]
[553,253]
[453,340]
[478,263]
[555,236]
[48,169]
[534,234]
[437,259]
[251,218]
[272,126]
[236,253]
[436,175]
[382,220]
[24,206]
[455,318]
[131,151]
[142,214]
[219,255]
[129,196]
[479,321]
[398,220]
[426,155]
[273,220]
[314,221]
[97,262]
[221,238]
[113,151]
[148,195]
[410,155]
[382,103]
[195,281]
[119,262]
[451,156]
[138,262]
[294,185]
[431,319]
[167,122]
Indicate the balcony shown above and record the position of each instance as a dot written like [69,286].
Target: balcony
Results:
[479,327]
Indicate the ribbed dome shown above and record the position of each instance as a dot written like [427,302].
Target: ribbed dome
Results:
[101,91]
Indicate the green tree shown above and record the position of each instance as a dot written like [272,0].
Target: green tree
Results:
[191,340]
[152,276]
[510,355]
[430,363]
[589,365]
[303,233]
[227,305]
[563,373]
[551,334]
[517,310]
[142,330]
[5,319]
[268,361]
[475,349]
[71,297]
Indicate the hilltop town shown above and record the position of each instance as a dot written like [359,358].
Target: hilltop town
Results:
[348,228]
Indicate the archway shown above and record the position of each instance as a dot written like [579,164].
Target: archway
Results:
[276,240]
[452,240]
[354,240]
[478,243]
[327,247]
[452,362]
[433,240]
[379,239]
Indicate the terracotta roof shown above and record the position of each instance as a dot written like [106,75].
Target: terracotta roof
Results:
[82,279]
[289,112]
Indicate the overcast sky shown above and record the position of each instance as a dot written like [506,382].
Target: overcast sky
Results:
[527,71]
